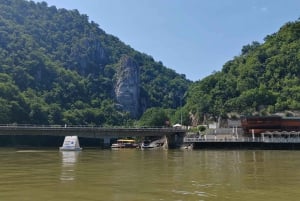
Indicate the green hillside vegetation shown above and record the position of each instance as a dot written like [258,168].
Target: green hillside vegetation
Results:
[263,80]
[57,67]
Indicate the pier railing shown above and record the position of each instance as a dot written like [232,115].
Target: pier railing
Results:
[88,131]
[245,139]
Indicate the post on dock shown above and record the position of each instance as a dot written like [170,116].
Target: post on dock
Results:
[236,132]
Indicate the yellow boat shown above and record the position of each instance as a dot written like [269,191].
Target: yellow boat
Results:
[124,143]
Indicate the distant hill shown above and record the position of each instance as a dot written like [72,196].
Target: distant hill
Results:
[57,67]
[263,80]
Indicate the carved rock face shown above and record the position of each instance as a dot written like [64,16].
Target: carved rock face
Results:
[127,89]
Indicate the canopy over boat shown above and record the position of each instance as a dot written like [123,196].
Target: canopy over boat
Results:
[124,143]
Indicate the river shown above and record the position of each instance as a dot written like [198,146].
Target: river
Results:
[135,175]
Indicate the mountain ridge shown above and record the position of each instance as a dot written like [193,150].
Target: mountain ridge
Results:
[63,69]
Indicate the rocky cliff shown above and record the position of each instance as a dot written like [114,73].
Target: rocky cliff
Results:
[127,86]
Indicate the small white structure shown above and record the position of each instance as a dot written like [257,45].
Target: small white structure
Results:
[71,143]
[213,125]
[177,126]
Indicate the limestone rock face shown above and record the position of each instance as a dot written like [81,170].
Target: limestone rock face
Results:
[88,56]
[127,87]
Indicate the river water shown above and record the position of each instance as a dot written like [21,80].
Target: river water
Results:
[135,175]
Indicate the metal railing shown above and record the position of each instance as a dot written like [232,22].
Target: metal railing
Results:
[88,131]
[245,139]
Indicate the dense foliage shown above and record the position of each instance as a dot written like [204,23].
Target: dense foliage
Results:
[56,67]
[154,117]
[264,79]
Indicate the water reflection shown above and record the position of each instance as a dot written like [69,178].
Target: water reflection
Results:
[127,175]
[69,159]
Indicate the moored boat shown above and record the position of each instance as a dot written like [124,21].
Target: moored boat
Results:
[187,146]
[124,143]
[156,144]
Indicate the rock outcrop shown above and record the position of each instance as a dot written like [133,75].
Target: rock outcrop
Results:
[127,87]
[88,56]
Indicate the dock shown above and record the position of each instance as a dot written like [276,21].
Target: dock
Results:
[276,140]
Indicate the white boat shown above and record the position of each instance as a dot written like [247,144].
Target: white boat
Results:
[156,144]
[187,146]
[71,143]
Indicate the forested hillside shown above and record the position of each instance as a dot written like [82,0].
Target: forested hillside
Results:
[57,67]
[264,79]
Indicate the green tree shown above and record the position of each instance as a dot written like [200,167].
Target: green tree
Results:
[154,117]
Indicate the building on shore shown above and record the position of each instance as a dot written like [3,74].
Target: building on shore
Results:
[272,128]
[259,125]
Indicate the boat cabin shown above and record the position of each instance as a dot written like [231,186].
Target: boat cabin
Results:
[125,143]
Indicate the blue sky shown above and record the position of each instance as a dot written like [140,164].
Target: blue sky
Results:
[193,37]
